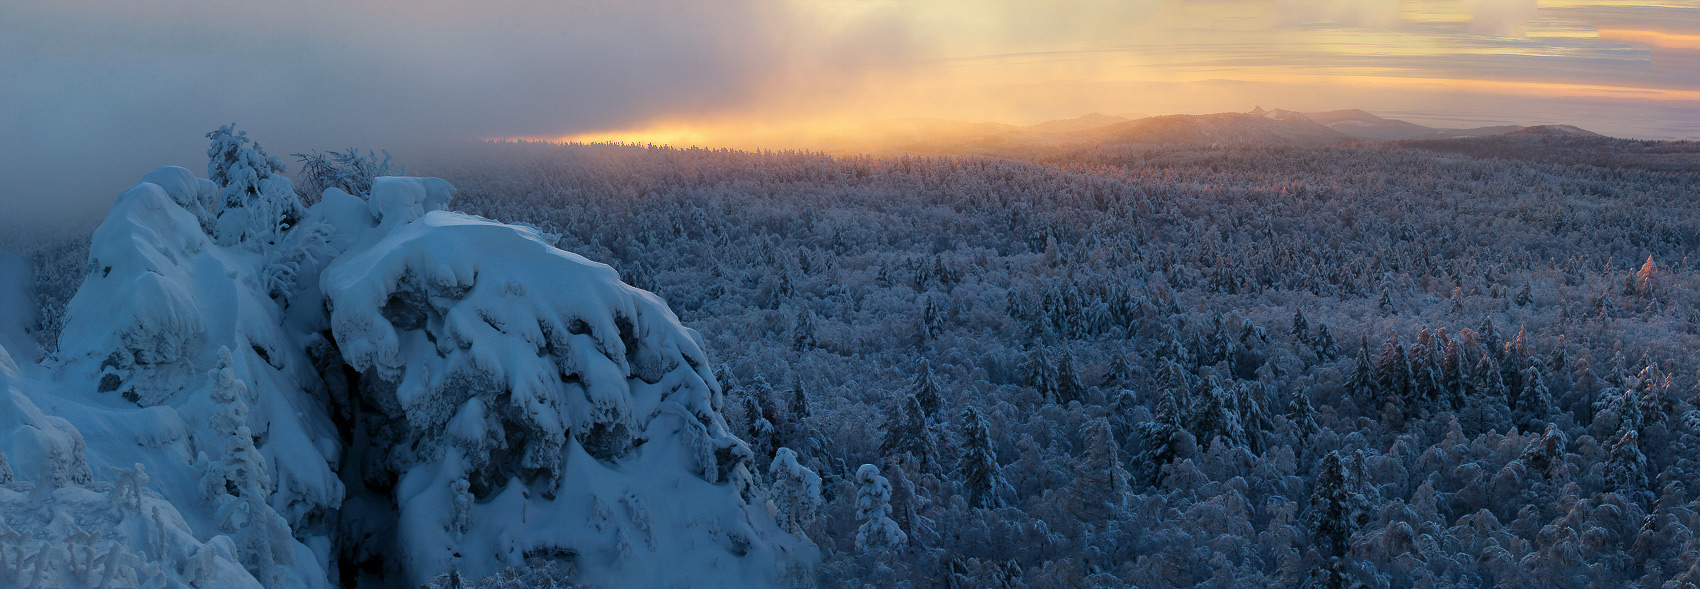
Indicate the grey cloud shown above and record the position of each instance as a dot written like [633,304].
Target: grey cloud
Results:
[93,94]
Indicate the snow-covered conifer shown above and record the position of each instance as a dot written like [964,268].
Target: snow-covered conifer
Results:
[1301,327]
[1324,345]
[1100,490]
[795,490]
[257,203]
[926,390]
[878,531]
[907,432]
[982,479]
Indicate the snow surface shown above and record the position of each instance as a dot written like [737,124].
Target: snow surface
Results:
[513,402]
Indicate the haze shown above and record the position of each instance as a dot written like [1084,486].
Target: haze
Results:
[94,94]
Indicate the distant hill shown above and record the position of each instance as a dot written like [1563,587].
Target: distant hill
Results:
[1215,129]
[1567,145]
[1359,124]
[1091,121]
[1555,131]
[1095,130]
[1259,127]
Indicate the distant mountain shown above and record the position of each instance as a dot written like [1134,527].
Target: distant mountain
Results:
[1363,125]
[1257,127]
[1216,129]
[1556,131]
[1091,121]
[1567,145]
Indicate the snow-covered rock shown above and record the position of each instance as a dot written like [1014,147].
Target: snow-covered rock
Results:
[161,300]
[374,381]
[527,391]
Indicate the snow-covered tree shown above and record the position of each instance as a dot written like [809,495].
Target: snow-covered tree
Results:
[878,532]
[982,479]
[1100,488]
[257,203]
[239,470]
[908,433]
[926,391]
[795,490]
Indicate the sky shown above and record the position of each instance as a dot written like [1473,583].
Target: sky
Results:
[94,94]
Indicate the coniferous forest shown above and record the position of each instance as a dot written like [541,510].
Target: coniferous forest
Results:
[1359,365]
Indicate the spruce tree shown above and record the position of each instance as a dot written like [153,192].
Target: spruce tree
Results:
[878,531]
[1069,388]
[1361,384]
[1100,487]
[982,480]
[907,433]
[257,203]
[1301,327]
[1324,345]
[803,333]
[926,391]
[1040,373]
[1335,512]
[1393,380]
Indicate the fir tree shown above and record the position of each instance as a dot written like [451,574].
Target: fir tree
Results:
[1215,416]
[908,506]
[1100,487]
[982,480]
[926,391]
[1362,383]
[1040,373]
[1335,512]
[257,203]
[878,531]
[932,323]
[1454,377]
[1393,380]
[1303,416]
[1301,327]
[1626,466]
[1118,372]
[907,433]
[1534,402]
[1324,345]
[762,436]
[803,333]
[1069,388]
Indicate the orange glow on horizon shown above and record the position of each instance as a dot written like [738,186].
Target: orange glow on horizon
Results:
[1021,64]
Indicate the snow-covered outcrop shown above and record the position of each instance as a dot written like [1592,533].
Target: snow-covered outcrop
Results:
[161,302]
[374,383]
[64,524]
[524,402]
